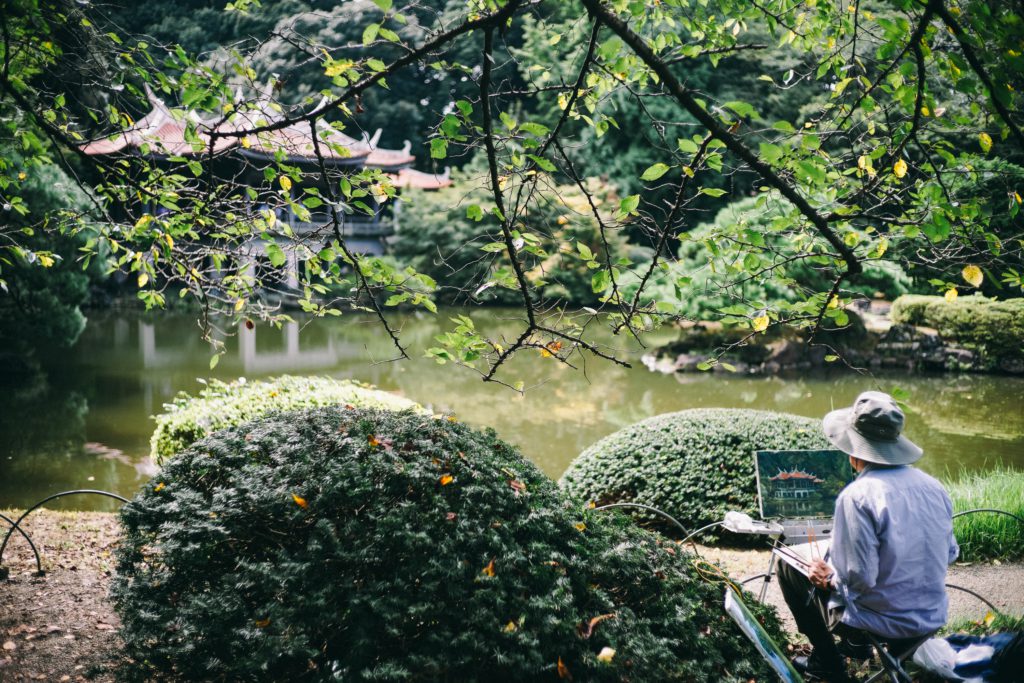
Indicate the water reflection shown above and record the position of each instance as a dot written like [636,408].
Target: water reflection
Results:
[85,420]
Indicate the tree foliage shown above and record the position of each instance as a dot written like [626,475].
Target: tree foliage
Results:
[854,124]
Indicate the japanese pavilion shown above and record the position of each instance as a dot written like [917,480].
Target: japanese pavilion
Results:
[161,135]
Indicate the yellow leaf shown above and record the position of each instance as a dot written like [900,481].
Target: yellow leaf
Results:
[489,569]
[143,221]
[45,260]
[1016,195]
[373,441]
[761,323]
[170,241]
[951,294]
[286,183]
[143,279]
[989,618]
[562,220]
[446,479]
[606,655]
[510,627]
[563,670]
[263,623]
[900,168]
[159,487]
[833,302]
[581,526]
[300,501]
[985,140]
[240,304]
[22,176]
[972,275]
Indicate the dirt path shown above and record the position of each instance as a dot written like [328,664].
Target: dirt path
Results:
[61,626]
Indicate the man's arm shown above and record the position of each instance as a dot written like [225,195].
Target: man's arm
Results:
[854,550]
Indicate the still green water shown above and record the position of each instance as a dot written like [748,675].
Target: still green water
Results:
[83,421]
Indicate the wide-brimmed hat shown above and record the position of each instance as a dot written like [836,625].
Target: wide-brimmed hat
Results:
[870,431]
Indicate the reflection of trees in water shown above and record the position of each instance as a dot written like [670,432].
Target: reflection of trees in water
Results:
[43,443]
[976,405]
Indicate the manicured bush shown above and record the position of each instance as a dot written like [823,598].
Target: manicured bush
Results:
[694,464]
[189,418]
[366,545]
[994,327]
[986,535]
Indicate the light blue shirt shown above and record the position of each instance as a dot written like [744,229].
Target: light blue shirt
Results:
[892,540]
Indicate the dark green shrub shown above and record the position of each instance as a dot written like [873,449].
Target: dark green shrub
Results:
[994,327]
[360,545]
[694,464]
[220,405]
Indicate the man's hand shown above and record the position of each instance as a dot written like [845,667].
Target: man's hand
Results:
[820,574]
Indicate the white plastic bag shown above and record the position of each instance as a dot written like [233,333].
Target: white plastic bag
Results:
[938,657]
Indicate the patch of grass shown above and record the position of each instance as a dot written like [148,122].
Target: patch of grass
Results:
[991,623]
[985,535]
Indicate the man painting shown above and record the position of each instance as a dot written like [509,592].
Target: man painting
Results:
[892,539]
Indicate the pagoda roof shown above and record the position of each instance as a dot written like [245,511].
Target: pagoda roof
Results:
[411,178]
[163,131]
[797,474]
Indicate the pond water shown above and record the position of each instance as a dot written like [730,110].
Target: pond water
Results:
[83,421]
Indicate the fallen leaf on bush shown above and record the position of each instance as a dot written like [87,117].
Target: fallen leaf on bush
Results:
[489,569]
[563,670]
[263,623]
[159,487]
[374,441]
[300,501]
[446,479]
[580,526]
[450,516]
[586,629]
[517,485]
[606,655]
[510,627]
[989,618]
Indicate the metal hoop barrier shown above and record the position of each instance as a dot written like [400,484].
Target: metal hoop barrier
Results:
[16,524]
[766,577]
[39,563]
[999,512]
[686,534]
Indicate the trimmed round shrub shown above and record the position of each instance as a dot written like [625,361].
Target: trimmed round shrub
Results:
[364,545]
[189,418]
[695,464]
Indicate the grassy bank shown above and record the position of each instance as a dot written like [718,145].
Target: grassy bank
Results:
[985,535]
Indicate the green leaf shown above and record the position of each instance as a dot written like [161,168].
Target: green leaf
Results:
[687,146]
[600,281]
[585,251]
[741,108]
[629,204]
[370,33]
[654,172]
[712,191]
[275,253]
[474,212]
[438,148]
[214,360]
[384,5]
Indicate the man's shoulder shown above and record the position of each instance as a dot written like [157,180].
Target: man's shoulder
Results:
[886,479]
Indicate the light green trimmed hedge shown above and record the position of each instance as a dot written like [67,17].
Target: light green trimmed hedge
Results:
[694,464]
[189,418]
[995,327]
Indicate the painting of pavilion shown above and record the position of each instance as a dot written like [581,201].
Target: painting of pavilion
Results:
[793,484]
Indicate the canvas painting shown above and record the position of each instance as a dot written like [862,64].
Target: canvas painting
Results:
[795,484]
